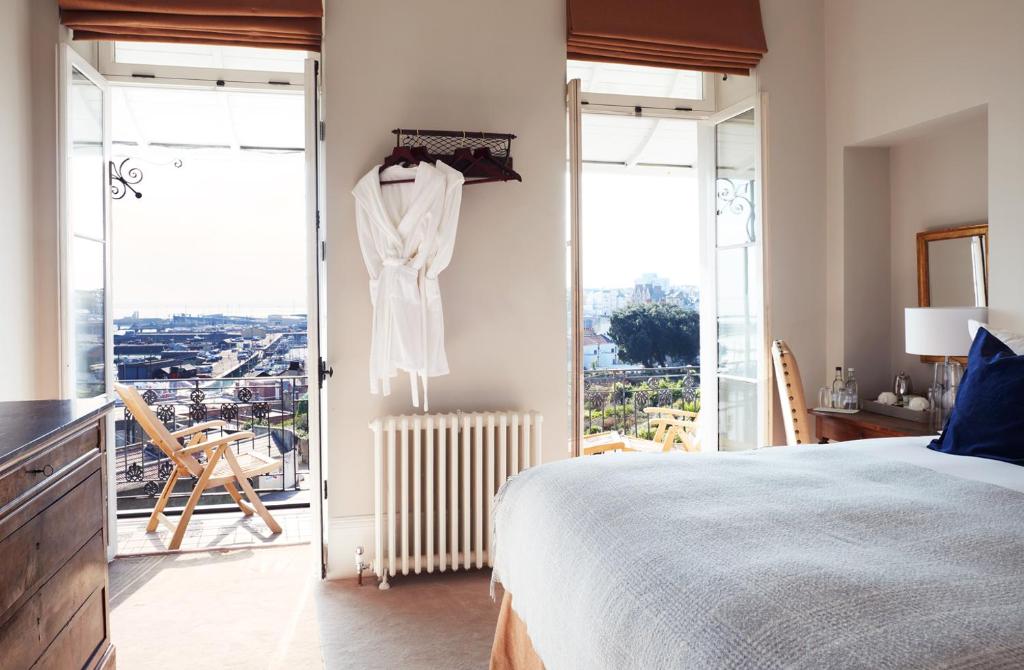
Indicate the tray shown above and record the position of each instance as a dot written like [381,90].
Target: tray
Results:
[898,412]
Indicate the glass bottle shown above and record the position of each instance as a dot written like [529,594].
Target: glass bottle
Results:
[851,392]
[838,386]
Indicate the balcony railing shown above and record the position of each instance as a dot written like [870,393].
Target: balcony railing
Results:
[615,399]
[274,408]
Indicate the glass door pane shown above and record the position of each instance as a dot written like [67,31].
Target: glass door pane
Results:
[737,322]
[89,329]
[737,281]
[86,230]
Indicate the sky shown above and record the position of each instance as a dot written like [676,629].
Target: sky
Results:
[226,231]
[639,223]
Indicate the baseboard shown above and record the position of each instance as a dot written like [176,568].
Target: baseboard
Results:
[344,535]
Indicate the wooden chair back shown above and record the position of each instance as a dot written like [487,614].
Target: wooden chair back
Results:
[156,430]
[791,394]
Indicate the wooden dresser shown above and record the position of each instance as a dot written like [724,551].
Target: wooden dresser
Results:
[864,425]
[53,562]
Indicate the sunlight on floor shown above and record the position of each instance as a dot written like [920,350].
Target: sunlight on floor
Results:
[215,531]
[242,608]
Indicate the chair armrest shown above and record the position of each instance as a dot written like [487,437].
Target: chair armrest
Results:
[199,427]
[602,448]
[213,444]
[685,424]
[677,413]
[596,435]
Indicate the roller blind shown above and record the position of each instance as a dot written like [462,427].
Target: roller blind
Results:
[282,24]
[709,35]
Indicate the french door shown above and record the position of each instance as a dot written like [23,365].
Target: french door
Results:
[733,370]
[86,351]
[733,364]
[316,360]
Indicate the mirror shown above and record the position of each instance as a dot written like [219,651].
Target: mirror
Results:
[952,268]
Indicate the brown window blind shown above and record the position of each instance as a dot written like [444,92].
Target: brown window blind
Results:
[281,24]
[709,35]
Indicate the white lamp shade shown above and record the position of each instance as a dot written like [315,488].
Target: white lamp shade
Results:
[940,331]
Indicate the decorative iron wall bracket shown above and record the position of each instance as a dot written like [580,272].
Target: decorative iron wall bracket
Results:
[122,181]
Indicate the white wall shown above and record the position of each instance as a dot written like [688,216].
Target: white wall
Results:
[28,291]
[462,64]
[939,180]
[891,66]
[792,76]
[867,235]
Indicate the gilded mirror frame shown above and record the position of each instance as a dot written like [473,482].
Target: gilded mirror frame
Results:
[923,286]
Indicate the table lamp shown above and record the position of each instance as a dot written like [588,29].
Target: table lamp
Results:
[941,331]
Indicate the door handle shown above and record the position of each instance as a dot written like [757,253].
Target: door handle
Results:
[325,371]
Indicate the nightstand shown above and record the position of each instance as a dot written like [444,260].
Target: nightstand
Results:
[864,425]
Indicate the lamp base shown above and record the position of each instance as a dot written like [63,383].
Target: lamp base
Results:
[942,394]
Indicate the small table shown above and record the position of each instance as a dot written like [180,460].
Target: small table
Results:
[864,425]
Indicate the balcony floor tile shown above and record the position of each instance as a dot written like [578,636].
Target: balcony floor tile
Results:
[215,531]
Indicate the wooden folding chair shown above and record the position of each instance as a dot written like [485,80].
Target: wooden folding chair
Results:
[669,425]
[222,467]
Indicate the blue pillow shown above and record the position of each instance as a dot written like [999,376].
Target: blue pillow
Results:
[988,418]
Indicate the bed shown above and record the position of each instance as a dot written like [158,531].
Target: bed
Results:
[870,554]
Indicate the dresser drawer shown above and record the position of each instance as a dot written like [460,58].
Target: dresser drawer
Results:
[841,431]
[25,637]
[48,464]
[34,552]
[82,641]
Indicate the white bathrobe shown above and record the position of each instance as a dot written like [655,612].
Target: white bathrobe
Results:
[407,233]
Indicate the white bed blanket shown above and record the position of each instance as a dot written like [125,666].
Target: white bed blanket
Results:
[841,556]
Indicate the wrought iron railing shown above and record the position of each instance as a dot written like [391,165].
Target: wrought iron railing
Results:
[615,399]
[275,409]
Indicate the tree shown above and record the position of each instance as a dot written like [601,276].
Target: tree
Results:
[653,334]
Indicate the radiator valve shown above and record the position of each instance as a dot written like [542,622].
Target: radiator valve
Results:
[360,564]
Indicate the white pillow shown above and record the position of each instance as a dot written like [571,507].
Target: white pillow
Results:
[1013,340]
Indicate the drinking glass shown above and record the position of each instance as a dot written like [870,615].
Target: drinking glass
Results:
[825,397]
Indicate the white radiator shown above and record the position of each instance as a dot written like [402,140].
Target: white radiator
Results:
[435,477]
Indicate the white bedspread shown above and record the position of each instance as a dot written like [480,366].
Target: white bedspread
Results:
[872,554]
[914,450]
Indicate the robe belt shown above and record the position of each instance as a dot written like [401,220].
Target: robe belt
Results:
[421,279]
[415,376]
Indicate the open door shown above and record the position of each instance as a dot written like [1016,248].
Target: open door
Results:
[733,363]
[575,141]
[316,359]
[86,321]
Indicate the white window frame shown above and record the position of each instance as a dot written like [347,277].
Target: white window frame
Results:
[193,76]
[622,102]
